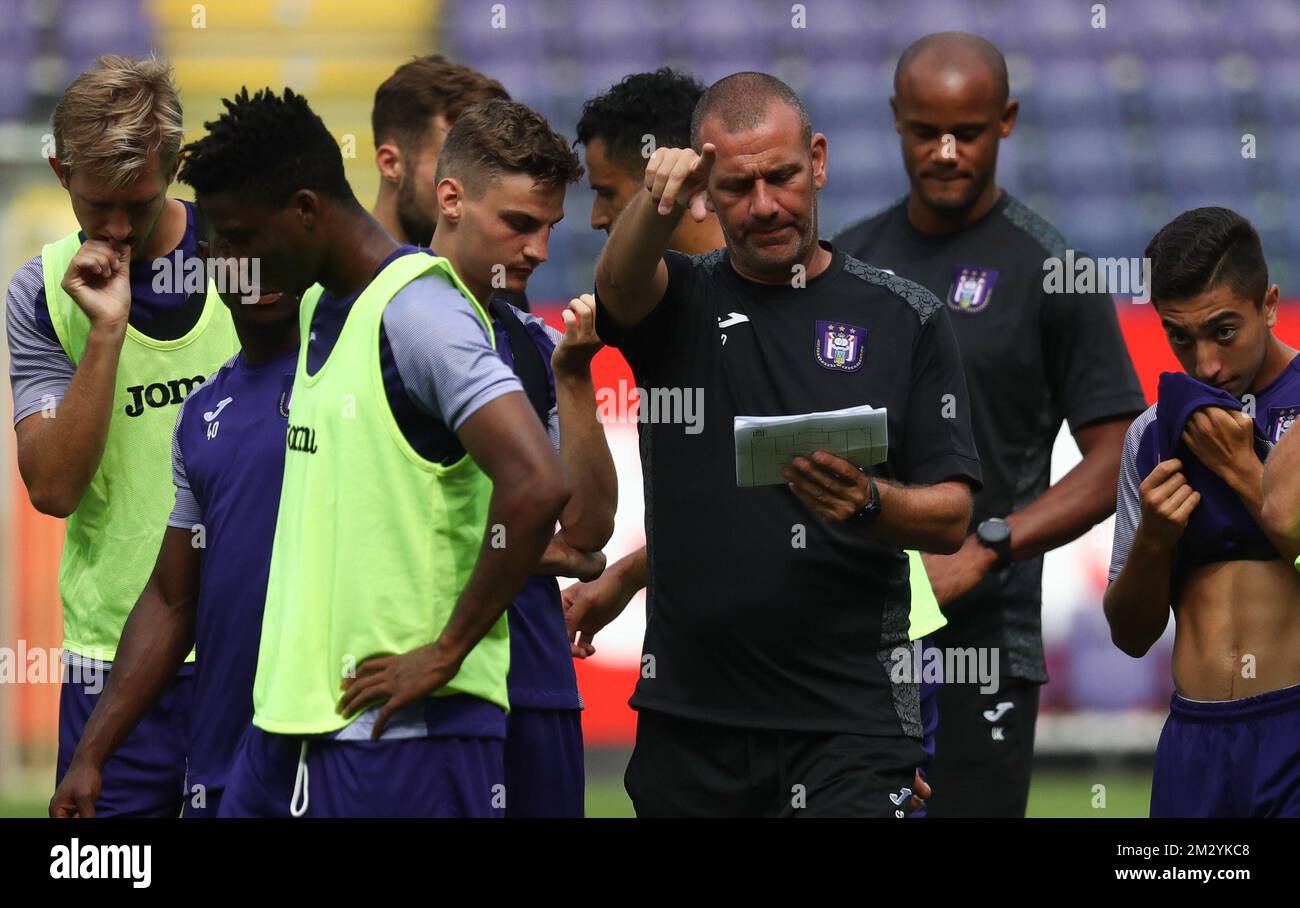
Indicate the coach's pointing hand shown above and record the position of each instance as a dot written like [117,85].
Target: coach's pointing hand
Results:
[679,176]
[399,680]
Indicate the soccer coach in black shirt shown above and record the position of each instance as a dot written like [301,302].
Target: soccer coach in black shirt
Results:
[1032,359]
[775,614]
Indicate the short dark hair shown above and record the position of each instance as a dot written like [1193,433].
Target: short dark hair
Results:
[267,147]
[741,101]
[1202,249]
[501,137]
[422,89]
[658,104]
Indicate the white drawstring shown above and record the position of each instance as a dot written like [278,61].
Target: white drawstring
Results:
[300,784]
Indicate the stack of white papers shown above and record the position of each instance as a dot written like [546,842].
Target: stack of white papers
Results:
[765,444]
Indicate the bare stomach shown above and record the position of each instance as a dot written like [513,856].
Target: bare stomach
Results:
[1237,630]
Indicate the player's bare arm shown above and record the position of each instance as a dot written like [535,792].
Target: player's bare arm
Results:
[1082,498]
[587,521]
[59,451]
[157,636]
[631,276]
[1137,601]
[588,607]
[1280,511]
[529,489]
[563,560]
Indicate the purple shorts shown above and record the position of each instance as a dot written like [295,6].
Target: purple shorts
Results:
[280,775]
[544,763]
[145,777]
[1230,758]
[202,803]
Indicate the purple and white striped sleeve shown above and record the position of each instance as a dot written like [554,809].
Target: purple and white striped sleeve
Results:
[442,352]
[186,512]
[1128,498]
[554,336]
[39,369]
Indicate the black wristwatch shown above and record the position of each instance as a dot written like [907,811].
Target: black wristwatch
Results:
[995,533]
[870,511]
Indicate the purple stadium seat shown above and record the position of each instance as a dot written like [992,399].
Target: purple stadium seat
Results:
[93,27]
[1196,158]
[1186,90]
[1082,158]
[15,89]
[1111,165]
[1100,676]
[1073,91]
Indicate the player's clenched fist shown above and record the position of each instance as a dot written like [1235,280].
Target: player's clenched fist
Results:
[1223,440]
[679,176]
[573,354]
[1167,503]
[98,279]
[77,792]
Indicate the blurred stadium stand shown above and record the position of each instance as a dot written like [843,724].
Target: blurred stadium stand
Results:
[1120,129]
[1154,105]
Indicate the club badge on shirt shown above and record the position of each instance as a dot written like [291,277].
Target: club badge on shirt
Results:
[971,288]
[840,346]
[1279,420]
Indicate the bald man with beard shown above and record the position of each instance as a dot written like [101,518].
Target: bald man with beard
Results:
[1032,359]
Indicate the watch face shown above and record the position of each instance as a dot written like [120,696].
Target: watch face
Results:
[994,531]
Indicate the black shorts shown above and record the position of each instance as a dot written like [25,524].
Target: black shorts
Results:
[984,750]
[684,768]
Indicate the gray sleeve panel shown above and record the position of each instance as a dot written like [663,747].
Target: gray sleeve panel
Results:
[39,369]
[442,351]
[186,511]
[553,420]
[1128,500]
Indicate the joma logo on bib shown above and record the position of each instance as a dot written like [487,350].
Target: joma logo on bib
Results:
[159,394]
[302,438]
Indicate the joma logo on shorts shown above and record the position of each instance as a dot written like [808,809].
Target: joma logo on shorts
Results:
[159,394]
[302,438]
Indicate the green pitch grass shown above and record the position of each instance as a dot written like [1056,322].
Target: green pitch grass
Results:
[1055,793]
